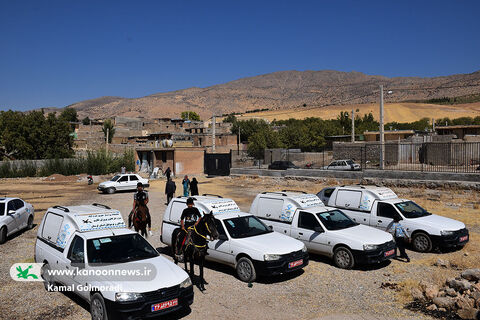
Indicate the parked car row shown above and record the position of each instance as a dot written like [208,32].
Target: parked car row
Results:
[346,224]
[344,165]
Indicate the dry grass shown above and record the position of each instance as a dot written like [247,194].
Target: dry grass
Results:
[400,112]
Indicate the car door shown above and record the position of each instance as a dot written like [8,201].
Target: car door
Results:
[385,214]
[132,183]
[72,260]
[22,213]
[122,183]
[12,218]
[220,250]
[304,230]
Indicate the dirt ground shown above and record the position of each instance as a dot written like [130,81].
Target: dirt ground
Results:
[320,291]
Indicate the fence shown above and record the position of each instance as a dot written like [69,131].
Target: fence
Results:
[461,157]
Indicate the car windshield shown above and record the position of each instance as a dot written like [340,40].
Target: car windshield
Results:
[349,162]
[335,220]
[244,227]
[119,249]
[115,178]
[2,208]
[411,210]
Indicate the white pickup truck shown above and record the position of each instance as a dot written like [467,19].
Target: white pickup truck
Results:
[324,230]
[244,242]
[377,206]
[88,250]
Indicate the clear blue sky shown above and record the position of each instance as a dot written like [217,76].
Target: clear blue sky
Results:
[54,53]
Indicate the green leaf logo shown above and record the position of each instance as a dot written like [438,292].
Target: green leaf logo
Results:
[24,274]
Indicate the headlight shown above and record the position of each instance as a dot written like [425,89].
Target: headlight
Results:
[186,283]
[304,249]
[446,233]
[271,257]
[127,296]
[368,247]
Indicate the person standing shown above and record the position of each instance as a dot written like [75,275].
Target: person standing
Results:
[194,187]
[170,188]
[186,186]
[400,235]
[168,172]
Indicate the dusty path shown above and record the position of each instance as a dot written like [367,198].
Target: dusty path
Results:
[321,291]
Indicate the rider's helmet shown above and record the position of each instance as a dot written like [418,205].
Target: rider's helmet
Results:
[139,185]
[190,201]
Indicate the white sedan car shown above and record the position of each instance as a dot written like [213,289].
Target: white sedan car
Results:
[345,165]
[122,182]
[15,215]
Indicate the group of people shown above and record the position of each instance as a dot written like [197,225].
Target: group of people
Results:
[190,188]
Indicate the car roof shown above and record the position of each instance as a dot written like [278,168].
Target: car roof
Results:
[88,218]
[375,191]
[230,215]
[300,199]
[107,232]
[5,199]
[217,204]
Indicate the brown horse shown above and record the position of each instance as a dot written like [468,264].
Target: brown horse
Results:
[140,218]
[195,248]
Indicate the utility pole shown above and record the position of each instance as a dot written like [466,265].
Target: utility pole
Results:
[382,133]
[108,133]
[433,124]
[213,133]
[239,140]
[353,126]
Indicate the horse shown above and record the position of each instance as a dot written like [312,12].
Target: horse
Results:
[195,247]
[140,218]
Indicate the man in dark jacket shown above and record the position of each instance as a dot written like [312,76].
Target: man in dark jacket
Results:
[168,172]
[194,187]
[170,188]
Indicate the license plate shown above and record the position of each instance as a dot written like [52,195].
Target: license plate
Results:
[464,238]
[164,305]
[389,252]
[295,263]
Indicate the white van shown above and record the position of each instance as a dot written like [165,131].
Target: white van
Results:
[88,250]
[377,206]
[324,230]
[244,242]
[15,215]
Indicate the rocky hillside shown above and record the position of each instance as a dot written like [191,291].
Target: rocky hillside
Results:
[282,90]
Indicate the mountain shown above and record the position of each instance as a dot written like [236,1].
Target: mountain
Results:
[280,91]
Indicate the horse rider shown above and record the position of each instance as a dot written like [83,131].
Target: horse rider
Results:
[140,198]
[190,216]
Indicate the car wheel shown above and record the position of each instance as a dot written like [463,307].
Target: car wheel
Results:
[30,223]
[48,282]
[98,310]
[343,258]
[422,242]
[246,270]
[3,235]
[110,190]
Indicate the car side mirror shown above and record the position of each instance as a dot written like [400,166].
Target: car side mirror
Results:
[11,212]
[318,229]
[222,237]
[399,217]
[270,227]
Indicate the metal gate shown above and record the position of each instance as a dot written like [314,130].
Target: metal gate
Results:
[217,164]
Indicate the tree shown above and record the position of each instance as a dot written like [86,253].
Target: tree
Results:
[190,115]
[230,118]
[69,114]
[86,121]
[262,139]
[108,127]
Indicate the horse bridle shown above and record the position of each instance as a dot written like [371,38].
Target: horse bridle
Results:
[201,235]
